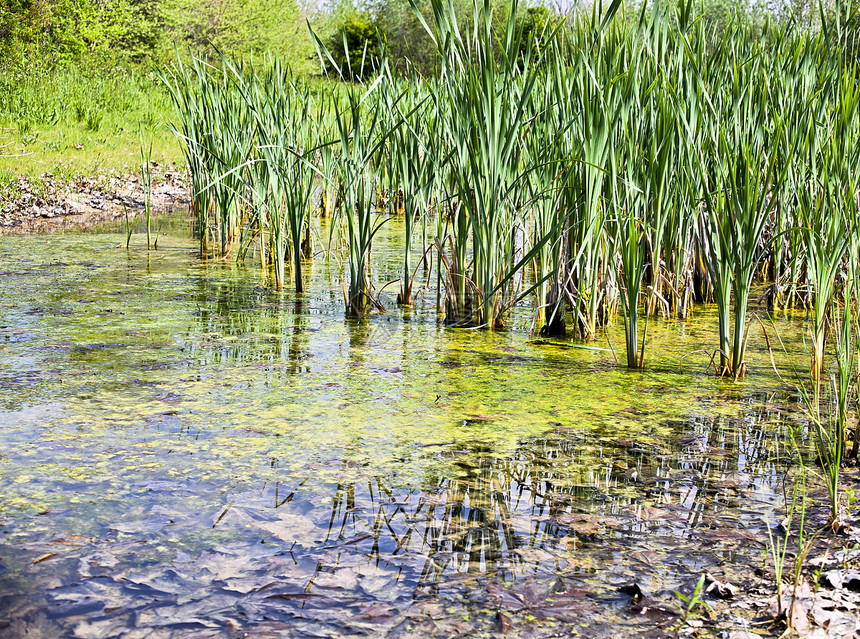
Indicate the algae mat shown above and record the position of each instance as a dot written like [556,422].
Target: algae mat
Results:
[185,452]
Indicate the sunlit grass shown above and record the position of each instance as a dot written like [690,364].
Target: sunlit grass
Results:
[68,123]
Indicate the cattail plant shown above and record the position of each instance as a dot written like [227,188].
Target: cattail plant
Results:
[412,170]
[285,132]
[487,96]
[635,165]
[739,169]
[184,85]
[359,139]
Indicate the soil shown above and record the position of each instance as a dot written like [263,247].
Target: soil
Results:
[51,204]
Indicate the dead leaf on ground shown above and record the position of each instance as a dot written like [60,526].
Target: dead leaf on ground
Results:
[377,612]
[503,623]
[720,589]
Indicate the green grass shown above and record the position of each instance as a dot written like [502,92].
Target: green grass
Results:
[69,122]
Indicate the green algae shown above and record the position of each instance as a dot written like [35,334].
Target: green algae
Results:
[161,413]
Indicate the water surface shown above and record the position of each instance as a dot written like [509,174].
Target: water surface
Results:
[185,452]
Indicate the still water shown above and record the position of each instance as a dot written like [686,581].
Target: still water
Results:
[185,452]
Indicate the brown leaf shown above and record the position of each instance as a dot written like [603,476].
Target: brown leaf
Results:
[797,616]
[503,623]
[720,589]
[245,585]
[821,616]
[587,523]
[647,557]
[376,612]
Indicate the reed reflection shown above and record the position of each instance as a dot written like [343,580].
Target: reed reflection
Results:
[551,502]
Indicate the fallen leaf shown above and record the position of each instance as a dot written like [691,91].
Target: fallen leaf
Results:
[250,584]
[44,557]
[720,589]
[798,617]
[647,557]
[376,612]
[503,623]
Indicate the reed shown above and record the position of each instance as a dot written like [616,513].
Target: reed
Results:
[358,142]
[543,151]
[740,170]
[183,82]
[487,89]
[146,185]
[285,138]
[412,170]
[634,167]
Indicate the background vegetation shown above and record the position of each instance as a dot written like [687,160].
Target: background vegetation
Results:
[77,86]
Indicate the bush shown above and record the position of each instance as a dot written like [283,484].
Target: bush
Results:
[536,24]
[107,33]
[356,45]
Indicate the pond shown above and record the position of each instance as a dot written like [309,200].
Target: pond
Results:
[186,452]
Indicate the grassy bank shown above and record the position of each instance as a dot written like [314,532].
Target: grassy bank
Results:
[69,122]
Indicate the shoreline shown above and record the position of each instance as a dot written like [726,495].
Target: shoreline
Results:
[60,205]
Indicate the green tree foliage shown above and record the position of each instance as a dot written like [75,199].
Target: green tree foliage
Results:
[356,43]
[63,30]
[395,25]
[537,24]
[718,14]
[20,20]
[240,27]
[107,32]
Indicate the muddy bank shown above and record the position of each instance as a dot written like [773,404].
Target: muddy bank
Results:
[49,203]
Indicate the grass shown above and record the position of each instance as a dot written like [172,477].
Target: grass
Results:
[70,123]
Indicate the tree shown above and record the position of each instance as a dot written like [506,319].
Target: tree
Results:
[356,45]
[239,27]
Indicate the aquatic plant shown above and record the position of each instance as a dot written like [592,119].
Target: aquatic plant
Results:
[739,172]
[691,605]
[285,130]
[634,164]
[779,553]
[487,88]
[543,152]
[825,211]
[146,185]
[183,82]
[412,168]
[359,140]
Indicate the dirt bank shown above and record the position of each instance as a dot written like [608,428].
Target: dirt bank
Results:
[49,204]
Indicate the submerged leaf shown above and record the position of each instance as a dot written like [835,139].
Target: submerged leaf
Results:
[720,589]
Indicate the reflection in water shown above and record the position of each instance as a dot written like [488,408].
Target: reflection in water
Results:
[508,518]
[218,456]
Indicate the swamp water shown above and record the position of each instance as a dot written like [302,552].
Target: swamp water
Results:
[184,452]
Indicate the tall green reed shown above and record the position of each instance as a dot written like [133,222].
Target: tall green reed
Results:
[649,164]
[412,167]
[487,86]
[359,140]
[739,169]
